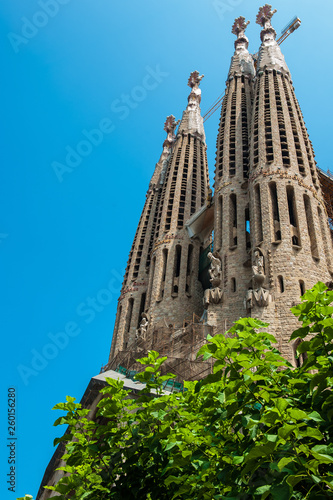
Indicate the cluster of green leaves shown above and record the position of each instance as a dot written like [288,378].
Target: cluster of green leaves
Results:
[255,428]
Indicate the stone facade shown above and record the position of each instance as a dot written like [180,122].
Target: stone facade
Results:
[161,279]
[272,239]
[271,235]
[271,223]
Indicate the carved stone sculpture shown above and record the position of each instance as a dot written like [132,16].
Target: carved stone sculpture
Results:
[258,269]
[261,297]
[212,296]
[194,98]
[142,330]
[239,26]
[215,270]
[265,15]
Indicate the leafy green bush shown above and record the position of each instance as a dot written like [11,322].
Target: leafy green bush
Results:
[255,428]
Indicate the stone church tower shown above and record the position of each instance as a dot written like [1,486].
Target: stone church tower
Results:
[271,235]
[161,285]
[272,239]
[269,215]
[175,292]
[133,298]
[291,241]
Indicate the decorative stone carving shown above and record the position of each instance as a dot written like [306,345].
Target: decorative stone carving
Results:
[242,60]
[215,270]
[265,15]
[258,268]
[170,127]
[142,330]
[259,295]
[239,26]
[212,296]
[194,81]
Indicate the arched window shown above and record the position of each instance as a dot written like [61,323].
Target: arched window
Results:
[281,284]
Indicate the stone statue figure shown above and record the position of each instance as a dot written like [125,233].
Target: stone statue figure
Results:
[258,296]
[142,330]
[258,271]
[215,270]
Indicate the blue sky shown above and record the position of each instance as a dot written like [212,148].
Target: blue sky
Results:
[100,77]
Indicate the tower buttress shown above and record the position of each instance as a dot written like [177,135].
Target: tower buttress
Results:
[133,299]
[175,292]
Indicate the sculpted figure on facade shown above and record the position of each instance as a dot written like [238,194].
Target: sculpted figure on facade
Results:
[215,270]
[214,295]
[258,270]
[142,330]
[259,295]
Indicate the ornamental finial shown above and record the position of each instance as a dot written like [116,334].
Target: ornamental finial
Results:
[195,79]
[265,15]
[239,26]
[170,124]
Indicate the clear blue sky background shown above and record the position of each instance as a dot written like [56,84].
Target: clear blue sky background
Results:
[62,242]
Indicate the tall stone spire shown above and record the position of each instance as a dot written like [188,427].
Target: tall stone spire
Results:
[132,301]
[192,121]
[242,60]
[291,244]
[270,55]
[174,292]
[231,201]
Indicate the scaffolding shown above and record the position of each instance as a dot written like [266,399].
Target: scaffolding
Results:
[179,343]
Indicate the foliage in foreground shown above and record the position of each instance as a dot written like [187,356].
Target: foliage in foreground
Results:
[255,428]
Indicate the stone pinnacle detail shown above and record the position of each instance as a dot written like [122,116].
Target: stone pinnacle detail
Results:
[270,57]
[170,127]
[194,82]
[238,29]
[264,17]
[242,60]
[192,121]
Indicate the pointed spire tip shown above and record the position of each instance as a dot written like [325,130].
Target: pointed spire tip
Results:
[195,79]
[265,15]
[239,26]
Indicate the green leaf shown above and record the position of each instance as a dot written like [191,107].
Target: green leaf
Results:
[285,461]
[281,492]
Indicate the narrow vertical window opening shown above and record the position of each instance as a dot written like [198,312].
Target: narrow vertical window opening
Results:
[129,315]
[233,220]
[302,287]
[293,216]
[311,227]
[275,212]
[258,216]
[281,284]
[189,270]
